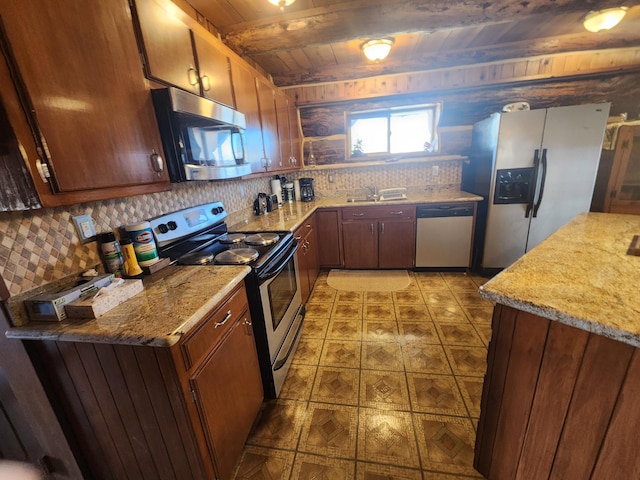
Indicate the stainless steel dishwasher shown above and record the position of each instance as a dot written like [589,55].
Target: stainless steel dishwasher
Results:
[443,235]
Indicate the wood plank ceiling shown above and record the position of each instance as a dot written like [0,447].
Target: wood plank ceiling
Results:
[314,41]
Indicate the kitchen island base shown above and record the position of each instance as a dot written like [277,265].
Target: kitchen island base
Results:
[558,402]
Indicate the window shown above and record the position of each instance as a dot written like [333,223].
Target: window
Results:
[398,130]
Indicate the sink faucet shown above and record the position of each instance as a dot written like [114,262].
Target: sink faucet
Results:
[373,192]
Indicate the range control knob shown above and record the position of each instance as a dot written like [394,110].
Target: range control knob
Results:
[163,228]
[217,210]
[172,225]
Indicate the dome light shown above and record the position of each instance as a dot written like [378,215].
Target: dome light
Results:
[604,19]
[377,49]
[281,3]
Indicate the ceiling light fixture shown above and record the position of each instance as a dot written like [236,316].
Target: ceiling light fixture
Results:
[377,49]
[281,3]
[604,19]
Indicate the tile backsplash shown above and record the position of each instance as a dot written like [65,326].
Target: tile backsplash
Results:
[41,246]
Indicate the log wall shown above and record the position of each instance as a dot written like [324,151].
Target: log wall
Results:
[324,123]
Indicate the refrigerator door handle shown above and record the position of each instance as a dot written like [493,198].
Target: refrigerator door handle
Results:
[544,176]
[532,186]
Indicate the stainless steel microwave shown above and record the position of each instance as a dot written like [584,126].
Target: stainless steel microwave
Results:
[202,139]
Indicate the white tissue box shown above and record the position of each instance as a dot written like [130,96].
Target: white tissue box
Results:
[105,300]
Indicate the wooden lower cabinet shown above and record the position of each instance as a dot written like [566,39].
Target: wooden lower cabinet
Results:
[558,402]
[307,256]
[329,237]
[379,237]
[138,412]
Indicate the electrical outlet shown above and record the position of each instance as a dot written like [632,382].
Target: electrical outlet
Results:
[435,170]
[85,228]
[331,178]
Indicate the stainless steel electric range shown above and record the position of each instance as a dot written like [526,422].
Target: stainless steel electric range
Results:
[199,236]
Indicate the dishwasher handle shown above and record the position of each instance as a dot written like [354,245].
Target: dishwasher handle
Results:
[445,210]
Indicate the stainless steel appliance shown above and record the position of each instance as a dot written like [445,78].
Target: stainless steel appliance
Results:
[199,236]
[536,170]
[443,236]
[202,139]
[307,192]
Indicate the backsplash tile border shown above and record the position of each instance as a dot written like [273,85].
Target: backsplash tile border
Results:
[41,246]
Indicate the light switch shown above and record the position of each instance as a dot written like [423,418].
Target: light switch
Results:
[85,228]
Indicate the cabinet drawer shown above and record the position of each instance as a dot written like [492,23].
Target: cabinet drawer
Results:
[379,212]
[200,341]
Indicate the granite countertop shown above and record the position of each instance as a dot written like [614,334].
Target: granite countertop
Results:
[158,316]
[580,276]
[292,214]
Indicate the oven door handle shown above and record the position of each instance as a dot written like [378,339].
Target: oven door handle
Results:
[291,340]
[283,264]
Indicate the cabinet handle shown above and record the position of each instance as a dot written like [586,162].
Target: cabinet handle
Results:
[298,237]
[226,319]
[247,326]
[308,225]
[381,227]
[357,214]
[372,228]
[397,213]
[157,162]
[206,84]
[192,76]
[293,160]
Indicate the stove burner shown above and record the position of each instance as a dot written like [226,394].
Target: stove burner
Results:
[262,238]
[233,238]
[196,258]
[237,256]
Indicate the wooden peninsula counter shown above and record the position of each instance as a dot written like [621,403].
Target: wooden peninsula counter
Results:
[561,397]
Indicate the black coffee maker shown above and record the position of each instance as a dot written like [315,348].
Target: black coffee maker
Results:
[306,190]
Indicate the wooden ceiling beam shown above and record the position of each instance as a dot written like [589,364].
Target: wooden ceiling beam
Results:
[489,74]
[367,19]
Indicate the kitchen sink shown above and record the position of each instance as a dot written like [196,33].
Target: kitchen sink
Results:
[370,199]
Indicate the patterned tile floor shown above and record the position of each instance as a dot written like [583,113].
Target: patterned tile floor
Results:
[384,385]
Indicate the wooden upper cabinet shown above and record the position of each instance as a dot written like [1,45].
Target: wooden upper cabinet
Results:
[246,101]
[284,129]
[90,108]
[269,120]
[167,47]
[213,68]
[179,52]
[623,191]
[294,126]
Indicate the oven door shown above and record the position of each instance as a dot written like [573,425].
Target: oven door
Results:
[281,300]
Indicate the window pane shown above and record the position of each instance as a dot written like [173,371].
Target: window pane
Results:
[370,134]
[411,131]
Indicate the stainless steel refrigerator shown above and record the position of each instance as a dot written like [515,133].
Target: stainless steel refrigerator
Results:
[536,170]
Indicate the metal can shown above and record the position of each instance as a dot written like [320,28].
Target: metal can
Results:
[143,243]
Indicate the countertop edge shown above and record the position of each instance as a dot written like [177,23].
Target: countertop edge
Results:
[555,315]
[54,331]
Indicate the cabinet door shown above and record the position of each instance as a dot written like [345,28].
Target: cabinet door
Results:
[396,243]
[312,252]
[246,101]
[328,236]
[229,393]
[294,126]
[213,67]
[166,45]
[360,241]
[284,131]
[88,96]
[303,265]
[269,120]
[624,184]
[308,265]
